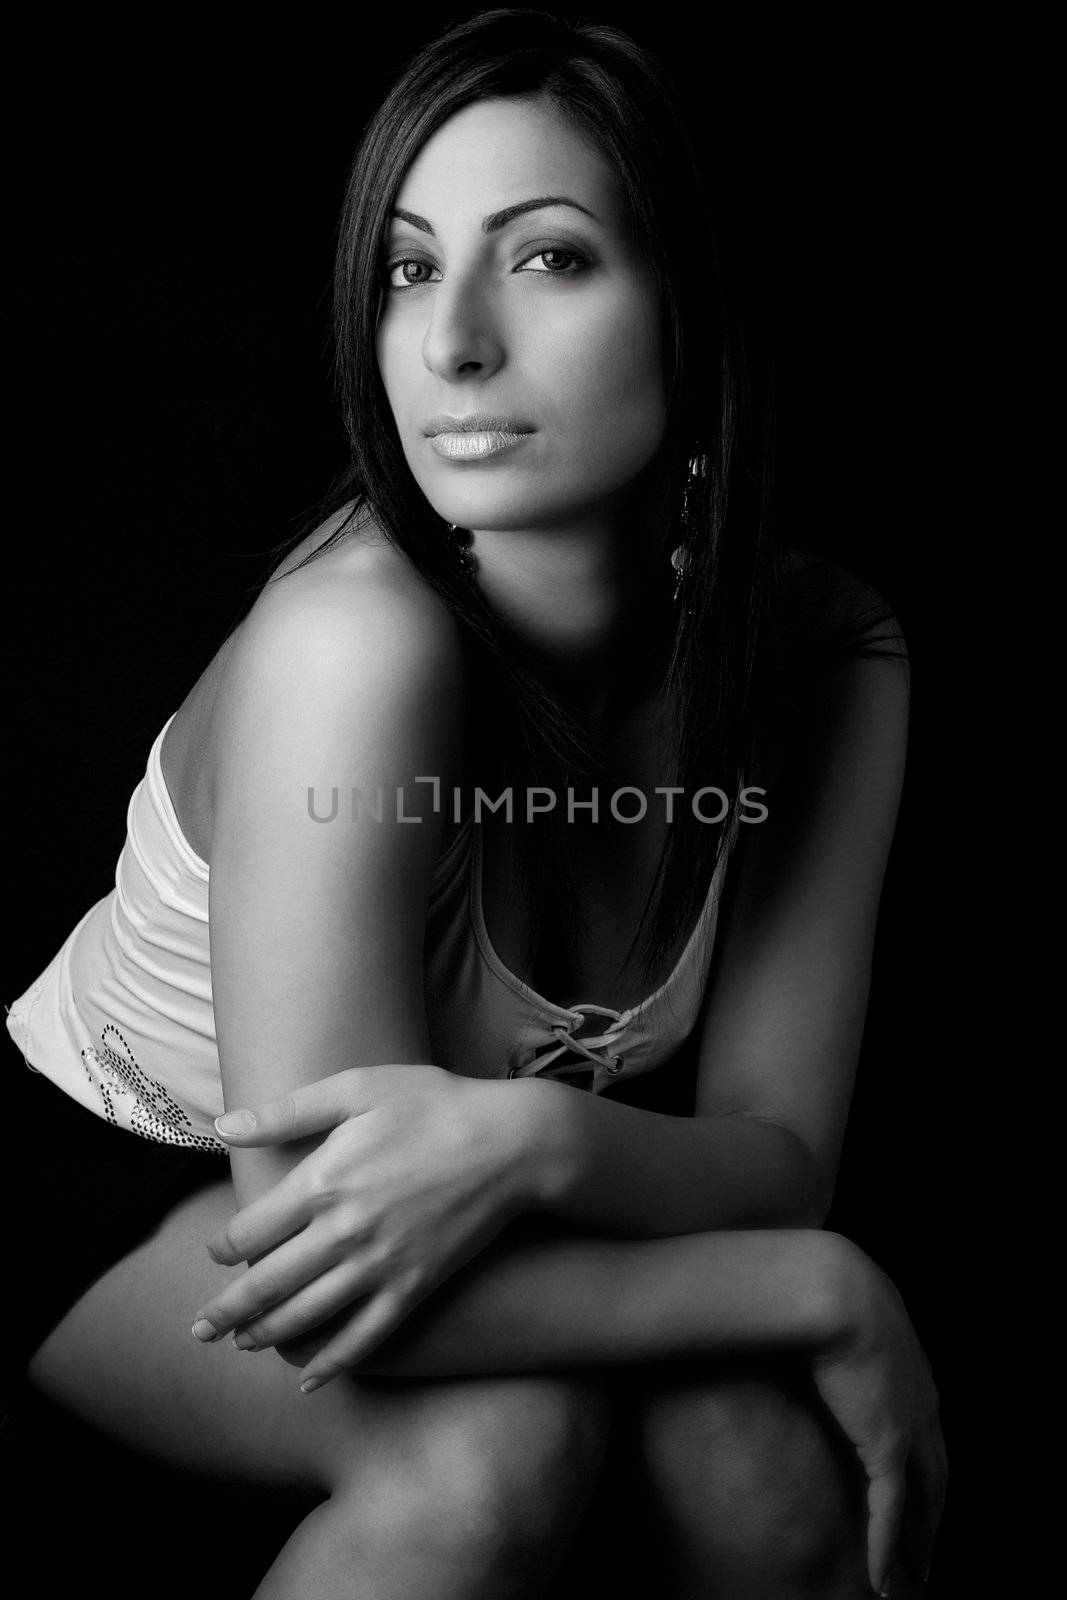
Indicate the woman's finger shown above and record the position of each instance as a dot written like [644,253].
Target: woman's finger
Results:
[364,1332]
[267,1221]
[928,1471]
[281,1274]
[885,1509]
[312,1304]
[311,1108]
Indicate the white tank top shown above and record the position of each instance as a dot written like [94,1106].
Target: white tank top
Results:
[122,1016]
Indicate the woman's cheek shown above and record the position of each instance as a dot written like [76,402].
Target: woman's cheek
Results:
[626,398]
[618,358]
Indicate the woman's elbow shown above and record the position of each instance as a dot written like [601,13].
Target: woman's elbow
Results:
[809,1187]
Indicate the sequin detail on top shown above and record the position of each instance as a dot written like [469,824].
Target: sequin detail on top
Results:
[155,1114]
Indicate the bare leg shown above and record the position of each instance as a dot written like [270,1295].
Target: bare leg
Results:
[758,1497]
[450,1488]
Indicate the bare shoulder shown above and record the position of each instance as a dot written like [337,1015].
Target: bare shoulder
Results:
[843,665]
[361,606]
[355,636]
[355,629]
[830,610]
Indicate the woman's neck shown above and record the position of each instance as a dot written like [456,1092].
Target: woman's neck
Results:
[582,607]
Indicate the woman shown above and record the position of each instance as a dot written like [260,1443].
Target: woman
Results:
[546,575]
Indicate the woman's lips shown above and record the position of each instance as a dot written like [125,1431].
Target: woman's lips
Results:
[472,445]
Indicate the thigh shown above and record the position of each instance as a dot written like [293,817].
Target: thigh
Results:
[124,1360]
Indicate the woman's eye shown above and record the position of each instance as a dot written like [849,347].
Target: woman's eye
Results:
[412,272]
[407,266]
[554,269]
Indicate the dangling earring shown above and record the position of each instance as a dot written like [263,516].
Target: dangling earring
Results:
[679,561]
[682,555]
[462,538]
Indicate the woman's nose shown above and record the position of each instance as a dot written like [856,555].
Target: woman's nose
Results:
[462,337]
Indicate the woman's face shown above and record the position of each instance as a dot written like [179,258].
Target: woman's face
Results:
[539,316]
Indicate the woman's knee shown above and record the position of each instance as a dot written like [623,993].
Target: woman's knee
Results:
[747,1469]
[501,1469]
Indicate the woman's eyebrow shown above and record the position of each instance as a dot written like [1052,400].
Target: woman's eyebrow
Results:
[499,219]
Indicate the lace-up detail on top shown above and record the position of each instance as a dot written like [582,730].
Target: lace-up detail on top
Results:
[491,1024]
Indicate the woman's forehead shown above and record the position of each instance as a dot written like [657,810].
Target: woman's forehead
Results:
[496,153]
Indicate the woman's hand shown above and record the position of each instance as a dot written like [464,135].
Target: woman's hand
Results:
[420,1170]
[874,1377]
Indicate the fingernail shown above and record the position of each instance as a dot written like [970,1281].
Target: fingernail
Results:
[236,1122]
[203,1330]
[244,1341]
[309,1384]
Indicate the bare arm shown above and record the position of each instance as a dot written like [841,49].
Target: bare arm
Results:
[337,685]
[539,1300]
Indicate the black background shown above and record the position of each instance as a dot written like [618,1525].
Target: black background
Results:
[174,204]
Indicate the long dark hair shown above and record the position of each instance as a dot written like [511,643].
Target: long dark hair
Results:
[709,484]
